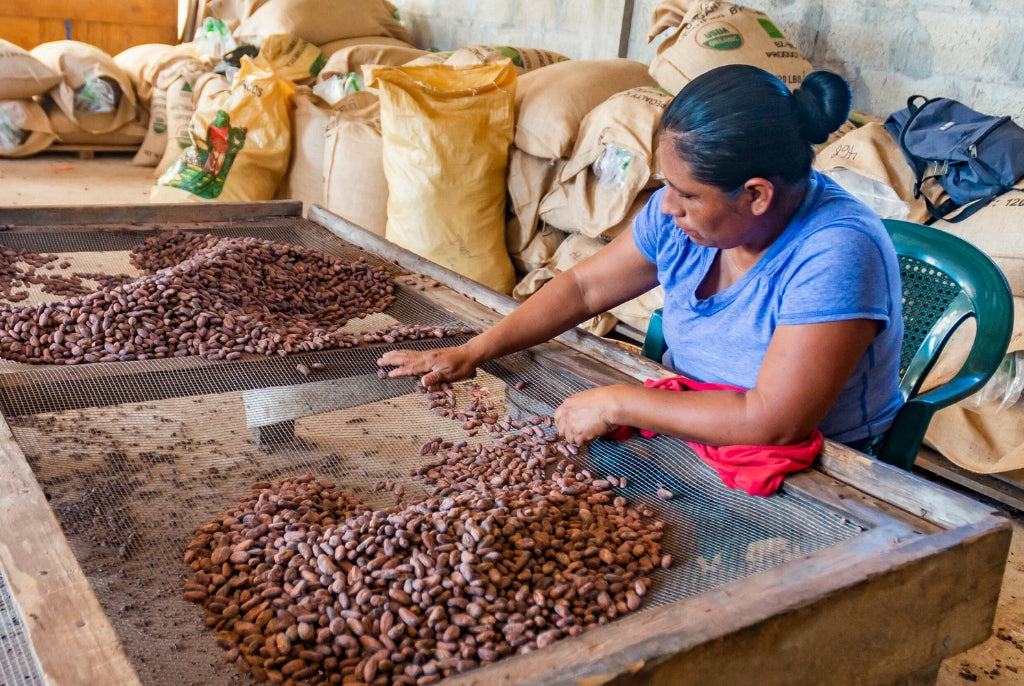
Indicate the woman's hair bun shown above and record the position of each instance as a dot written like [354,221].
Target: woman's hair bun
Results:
[823,104]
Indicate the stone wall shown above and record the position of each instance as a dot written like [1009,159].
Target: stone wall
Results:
[971,50]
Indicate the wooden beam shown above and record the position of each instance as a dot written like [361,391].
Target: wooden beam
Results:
[144,13]
[72,638]
[142,217]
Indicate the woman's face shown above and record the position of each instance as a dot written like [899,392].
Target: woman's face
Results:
[705,213]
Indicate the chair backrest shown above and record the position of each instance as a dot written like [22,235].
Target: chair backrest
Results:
[946,281]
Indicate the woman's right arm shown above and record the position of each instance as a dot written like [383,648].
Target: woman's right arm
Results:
[615,274]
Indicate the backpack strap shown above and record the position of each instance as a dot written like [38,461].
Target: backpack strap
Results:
[941,212]
[915,103]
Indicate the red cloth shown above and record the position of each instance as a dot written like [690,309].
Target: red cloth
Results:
[757,469]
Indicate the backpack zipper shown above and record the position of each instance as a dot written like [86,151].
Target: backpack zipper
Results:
[973,147]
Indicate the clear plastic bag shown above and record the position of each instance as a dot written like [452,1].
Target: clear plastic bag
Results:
[97,95]
[610,167]
[335,88]
[1002,390]
[880,198]
[12,119]
[214,39]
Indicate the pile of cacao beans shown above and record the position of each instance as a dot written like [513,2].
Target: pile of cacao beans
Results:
[203,295]
[515,547]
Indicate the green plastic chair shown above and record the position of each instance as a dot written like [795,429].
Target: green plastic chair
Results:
[946,281]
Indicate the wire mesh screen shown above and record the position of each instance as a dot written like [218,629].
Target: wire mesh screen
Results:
[17,661]
[135,456]
[927,293]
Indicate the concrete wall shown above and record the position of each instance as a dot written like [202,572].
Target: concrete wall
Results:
[971,50]
[580,29]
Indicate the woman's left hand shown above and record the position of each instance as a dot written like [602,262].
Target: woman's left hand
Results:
[584,416]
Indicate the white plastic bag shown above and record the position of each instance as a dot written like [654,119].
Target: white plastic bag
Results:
[334,88]
[610,168]
[1002,390]
[880,198]
[12,121]
[214,39]
[96,95]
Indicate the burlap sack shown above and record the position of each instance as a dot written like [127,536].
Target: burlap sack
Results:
[230,12]
[24,128]
[537,250]
[552,101]
[241,140]
[185,84]
[334,46]
[573,250]
[70,133]
[304,179]
[529,180]
[712,33]
[153,146]
[447,132]
[871,152]
[559,208]
[322,22]
[524,59]
[613,160]
[143,62]
[356,187]
[636,313]
[351,58]
[854,121]
[977,438]
[22,75]
[998,230]
[83,69]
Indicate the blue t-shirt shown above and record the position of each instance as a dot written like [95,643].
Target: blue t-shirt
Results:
[834,261]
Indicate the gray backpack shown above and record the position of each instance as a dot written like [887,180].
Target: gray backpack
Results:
[973,156]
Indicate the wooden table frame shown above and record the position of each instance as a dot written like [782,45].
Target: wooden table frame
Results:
[920,585]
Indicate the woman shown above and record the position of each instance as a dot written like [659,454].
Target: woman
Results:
[776,280]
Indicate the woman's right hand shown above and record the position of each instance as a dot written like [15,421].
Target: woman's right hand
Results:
[434,366]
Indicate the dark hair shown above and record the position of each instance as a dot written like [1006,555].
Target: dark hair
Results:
[736,122]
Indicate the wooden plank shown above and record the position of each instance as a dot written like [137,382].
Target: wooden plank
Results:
[28,32]
[144,12]
[114,38]
[73,641]
[899,487]
[143,217]
[845,500]
[844,612]
[999,487]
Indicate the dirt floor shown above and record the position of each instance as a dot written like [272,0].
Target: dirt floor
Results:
[53,178]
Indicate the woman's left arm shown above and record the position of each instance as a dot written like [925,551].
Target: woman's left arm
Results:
[803,373]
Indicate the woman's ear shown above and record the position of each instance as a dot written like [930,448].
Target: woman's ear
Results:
[759,193]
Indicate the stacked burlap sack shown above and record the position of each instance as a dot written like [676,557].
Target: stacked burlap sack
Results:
[581,167]
[584,164]
[94,102]
[24,127]
[413,145]
[232,118]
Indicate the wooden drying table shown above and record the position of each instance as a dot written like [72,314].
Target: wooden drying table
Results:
[887,607]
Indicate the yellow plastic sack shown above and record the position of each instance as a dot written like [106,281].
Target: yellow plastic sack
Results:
[446,137]
[241,137]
